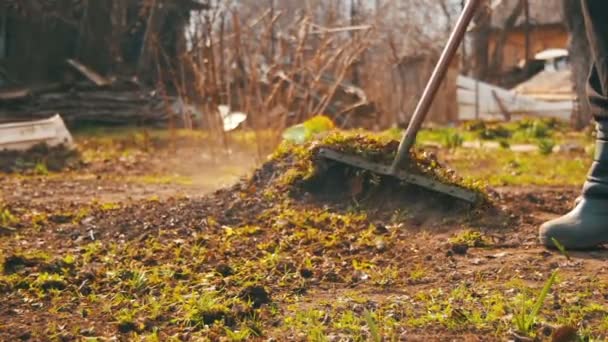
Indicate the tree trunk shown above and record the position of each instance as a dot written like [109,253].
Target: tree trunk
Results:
[580,60]
[354,20]
[481,42]
[501,41]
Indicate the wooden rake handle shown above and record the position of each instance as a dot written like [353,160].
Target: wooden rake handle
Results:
[432,87]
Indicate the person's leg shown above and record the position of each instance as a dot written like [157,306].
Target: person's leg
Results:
[596,22]
[587,225]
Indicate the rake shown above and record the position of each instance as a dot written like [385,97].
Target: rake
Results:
[422,109]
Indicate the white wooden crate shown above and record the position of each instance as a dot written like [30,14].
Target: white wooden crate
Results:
[23,135]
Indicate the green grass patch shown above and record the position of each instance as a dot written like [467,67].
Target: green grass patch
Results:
[504,167]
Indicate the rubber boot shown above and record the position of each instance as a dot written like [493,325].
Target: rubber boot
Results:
[586,226]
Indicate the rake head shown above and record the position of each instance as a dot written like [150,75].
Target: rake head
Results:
[386,170]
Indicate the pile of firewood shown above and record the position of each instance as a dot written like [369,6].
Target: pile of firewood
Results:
[84,104]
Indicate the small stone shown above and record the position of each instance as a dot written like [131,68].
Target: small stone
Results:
[381,229]
[460,249]
[306,273]
[380,245]
[477,261]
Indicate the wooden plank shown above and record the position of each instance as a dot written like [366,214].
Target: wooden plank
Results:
[505,112]
[14,94]
[94,77]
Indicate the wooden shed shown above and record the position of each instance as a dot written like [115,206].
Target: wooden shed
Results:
[522,38]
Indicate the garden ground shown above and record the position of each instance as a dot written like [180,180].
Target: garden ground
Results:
[148,240]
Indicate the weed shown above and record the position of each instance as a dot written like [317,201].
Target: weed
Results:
[249,230]
[153,336]
[374,330]
[537,129]
[38,220]
[452,140]
[474,125]
[418,273]
[48,282]
[81,214]
[69,260]
[138,281]
[109,206]
[205,309]
[126,320]
[386,276]
[6,217]
[317,334]
[469,238]
[91,251]
[362,265]
[255,325]
[545,146]
[495,132]
[349,323]
[41,169]
[561,248]
[526,316]
[242,334]
[309,322]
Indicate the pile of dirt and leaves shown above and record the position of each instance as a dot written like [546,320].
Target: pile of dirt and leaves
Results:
[302,250]
[40,158]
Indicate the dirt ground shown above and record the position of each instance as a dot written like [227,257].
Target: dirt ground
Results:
[128,169]
[145,247]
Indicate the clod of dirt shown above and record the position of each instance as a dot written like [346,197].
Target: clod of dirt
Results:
[224,270]
[61,218]
[381,229]
[306,273]
[40,158]
[565,334]
[127,327]
[181,275]
[56,266]
[257,295]
[545,330]
[53,284]
[216,315]
[459,248]
[25,336]
[15,263]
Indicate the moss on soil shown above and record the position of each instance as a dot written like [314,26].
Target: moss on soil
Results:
[299,166]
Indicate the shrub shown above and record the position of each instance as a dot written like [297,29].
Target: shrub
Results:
[452,140]
[545,146]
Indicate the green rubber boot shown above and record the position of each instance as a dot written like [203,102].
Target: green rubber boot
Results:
[586,226]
